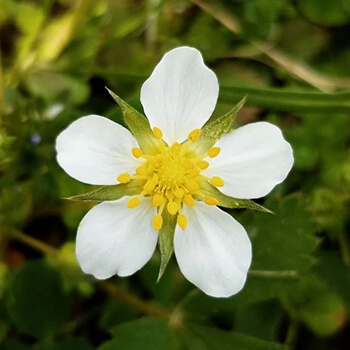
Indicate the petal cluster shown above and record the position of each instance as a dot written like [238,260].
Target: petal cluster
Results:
[118,237]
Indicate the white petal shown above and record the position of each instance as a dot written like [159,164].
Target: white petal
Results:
[180,95]
[253,160]
[214,251]
[95,150]
[113,239]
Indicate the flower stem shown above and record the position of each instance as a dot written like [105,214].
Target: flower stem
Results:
[109,288]
[274,274]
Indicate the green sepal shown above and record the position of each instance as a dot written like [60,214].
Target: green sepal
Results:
[138,125]
[230,202]
[166,241]
[215,130]
[111,193]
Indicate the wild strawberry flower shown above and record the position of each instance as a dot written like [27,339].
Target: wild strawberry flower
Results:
[174,173]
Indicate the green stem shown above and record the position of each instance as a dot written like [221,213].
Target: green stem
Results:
[274,274]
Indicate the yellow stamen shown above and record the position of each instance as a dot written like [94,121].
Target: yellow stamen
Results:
[141,170]
[182,221]
[157,133]
[194,172]
[172,208]
[149,185]
[124,178]
[179,193]
[194,135]
[188,164]
[136,152]
[157,222]
[213,152]
[210,200]
[175,148]
[133,202]
[203,164]
[157,200]
[217,181]
[188,200]
[192,186]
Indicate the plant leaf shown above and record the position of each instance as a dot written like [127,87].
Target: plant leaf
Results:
[230,202]
[166,241]
[138,125]
[215,130]
[110,193]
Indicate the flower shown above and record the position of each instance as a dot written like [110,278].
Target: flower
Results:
[118,237]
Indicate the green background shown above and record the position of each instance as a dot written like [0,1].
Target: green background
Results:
[292,58]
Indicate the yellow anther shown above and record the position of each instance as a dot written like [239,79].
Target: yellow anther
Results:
[179,193]
[141,170]
[187,164]
[203,164]
[213,152]
[157,133]
[182,221]
[192,186]
[149,185]
[136,152]
[172,208]
[217,181]
[194,135]
[157,200]
[188,200]
[133,202]
[158,162]
[175,148]
[194,172]
[210,200]
[157,222]
[124,178]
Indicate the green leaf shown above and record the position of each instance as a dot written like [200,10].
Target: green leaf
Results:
[138,125]
[37,302]
[10,344]
[215,339]
[70,343]
[230,202]
[166,241]
[215,130]
[284,241]
[110,193]
[144,334]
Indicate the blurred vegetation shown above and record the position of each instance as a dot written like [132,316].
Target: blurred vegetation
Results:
[293,60]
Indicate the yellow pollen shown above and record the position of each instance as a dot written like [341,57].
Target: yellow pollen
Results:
[157,222]
[217,181]
[182,221]
[133,202]
[188,200]
[203,164]
[194,135]
[136,152]
[213,152]
[179,193]
[172,208]
[124,178]
[192,186]
[210,200]
[141,170]
[157,200]
[157,133]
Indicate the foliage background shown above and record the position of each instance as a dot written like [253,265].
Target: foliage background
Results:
[293,60]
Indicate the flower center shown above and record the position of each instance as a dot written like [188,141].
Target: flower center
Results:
[172,178]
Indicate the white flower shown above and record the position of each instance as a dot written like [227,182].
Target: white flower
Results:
[211,248]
